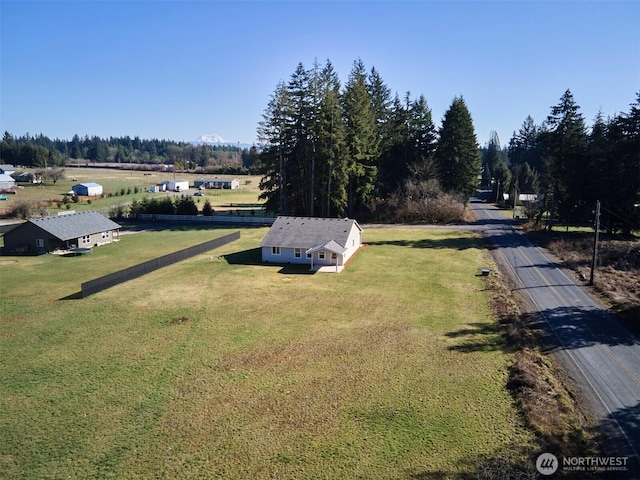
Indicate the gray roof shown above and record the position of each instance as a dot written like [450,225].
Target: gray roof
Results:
[75,225]
[308,232]
[88,184]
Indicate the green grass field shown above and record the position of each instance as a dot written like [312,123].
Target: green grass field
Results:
[114,181]
[220,367]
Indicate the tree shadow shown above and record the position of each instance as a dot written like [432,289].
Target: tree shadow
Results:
[569,328]
[615,444]
[459,243]
[512,462]
[479,337]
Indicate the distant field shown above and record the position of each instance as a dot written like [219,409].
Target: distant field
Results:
[115,180]
[220,367]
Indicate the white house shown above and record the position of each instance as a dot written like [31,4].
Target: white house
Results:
[217,183]
[318,242]
[89,189]
[177,185]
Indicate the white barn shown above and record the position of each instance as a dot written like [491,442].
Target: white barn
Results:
[177,185]
[324,244]
[6,181]
[89,189]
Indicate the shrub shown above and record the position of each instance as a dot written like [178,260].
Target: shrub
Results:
[22,210]
[207,210]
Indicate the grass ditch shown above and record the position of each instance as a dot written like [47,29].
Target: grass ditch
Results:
[547,399]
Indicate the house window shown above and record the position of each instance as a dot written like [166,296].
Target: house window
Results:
[334,256]
[40,242]
[105,235]
[297,252]
[275,250]
[86,239]
[320,255]
[309,255]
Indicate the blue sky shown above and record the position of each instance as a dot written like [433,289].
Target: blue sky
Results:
[177,70]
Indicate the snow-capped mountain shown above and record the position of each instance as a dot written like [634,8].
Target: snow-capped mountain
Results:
[211,138]
[215,139]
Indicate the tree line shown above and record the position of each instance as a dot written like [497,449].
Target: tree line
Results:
[572,166]
[41,152]
[332,150]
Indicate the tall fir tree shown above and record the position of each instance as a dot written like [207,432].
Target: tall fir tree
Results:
[565,140]
[362,139]
[624,171]
[274,134]
[457,154]
[330,147]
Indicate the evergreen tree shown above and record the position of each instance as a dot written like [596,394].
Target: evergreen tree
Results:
[274,133]
[423,133]
[381,99]
[457,154]
[565,142]
[623,180]
[330,147]
[362,139]
[494,169]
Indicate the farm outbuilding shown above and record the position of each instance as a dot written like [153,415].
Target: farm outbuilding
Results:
[89,189]
[62,232]
[318,242]
[6,181]
[177,185]
[7,169]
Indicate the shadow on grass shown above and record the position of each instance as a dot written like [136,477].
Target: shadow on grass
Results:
[73,296]
[253,256]
[479,337]
[459,243]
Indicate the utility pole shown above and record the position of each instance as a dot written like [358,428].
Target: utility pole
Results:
[595,243]
[515,198]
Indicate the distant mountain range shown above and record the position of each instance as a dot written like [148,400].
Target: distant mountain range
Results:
[215,139]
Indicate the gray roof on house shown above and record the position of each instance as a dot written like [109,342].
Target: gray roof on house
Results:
[331,246]
[308,232]
[88,184]
[75,225]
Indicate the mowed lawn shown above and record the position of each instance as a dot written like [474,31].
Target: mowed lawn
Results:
[220,367]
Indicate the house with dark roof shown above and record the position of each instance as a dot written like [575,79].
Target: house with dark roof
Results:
[325,244]
[62,232]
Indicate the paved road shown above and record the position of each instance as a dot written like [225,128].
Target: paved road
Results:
[601,356]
